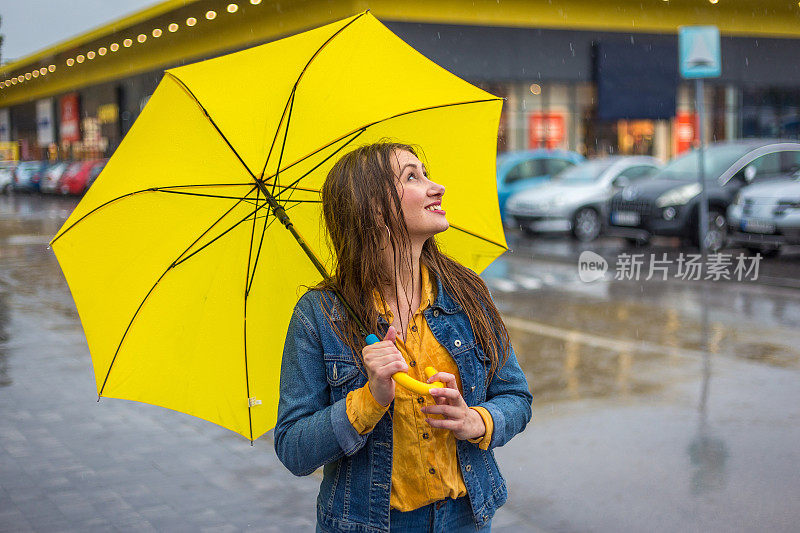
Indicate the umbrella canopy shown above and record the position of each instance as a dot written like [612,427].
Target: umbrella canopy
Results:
[183,277]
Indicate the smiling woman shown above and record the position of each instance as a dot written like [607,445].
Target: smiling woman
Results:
[428,454]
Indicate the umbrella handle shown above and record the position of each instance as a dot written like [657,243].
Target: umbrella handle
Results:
[406,381]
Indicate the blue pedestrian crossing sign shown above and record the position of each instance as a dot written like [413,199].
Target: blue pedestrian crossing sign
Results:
[699,52]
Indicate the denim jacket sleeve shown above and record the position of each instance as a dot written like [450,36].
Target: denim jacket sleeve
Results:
[310,431]
[509,401]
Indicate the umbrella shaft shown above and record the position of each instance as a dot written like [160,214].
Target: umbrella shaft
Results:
[280,214]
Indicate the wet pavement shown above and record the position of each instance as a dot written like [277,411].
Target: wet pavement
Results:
[659,406]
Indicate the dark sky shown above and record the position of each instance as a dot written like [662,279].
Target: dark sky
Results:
[31,25]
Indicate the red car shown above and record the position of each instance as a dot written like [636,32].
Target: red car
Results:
[80,175]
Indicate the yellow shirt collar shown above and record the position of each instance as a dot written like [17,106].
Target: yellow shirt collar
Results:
[428,295]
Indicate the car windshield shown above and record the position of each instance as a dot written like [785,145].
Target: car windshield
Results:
[717,160]
[583,173]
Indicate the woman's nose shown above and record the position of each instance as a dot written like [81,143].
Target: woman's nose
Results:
[436,189]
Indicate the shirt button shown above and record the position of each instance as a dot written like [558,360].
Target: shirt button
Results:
[412,363]
[425,436]
[468,468]
[414,327]
[457,343]
[435,312]
[421,399]
[432,470]
[473,387]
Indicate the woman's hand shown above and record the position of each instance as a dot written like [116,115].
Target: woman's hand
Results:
[465,423]
[383,360]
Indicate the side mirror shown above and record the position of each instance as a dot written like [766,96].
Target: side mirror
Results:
[750,173]
[621,182]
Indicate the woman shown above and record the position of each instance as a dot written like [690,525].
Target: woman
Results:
[394,459]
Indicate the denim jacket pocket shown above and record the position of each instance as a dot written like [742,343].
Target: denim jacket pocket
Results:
[343,375]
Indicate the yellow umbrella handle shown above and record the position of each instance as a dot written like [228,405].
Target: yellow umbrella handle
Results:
[406,381]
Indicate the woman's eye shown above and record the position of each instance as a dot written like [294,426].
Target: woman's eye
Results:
[412,175]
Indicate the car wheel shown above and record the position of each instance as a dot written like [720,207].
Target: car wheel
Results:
[763,250]
[586,225]
[717,232]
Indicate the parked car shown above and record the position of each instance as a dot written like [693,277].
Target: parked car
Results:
[7,169]
[575,199]
[668,203]
[95,172]
[517,171]
[77,176]
[766,216]
[51,178]
[28,174]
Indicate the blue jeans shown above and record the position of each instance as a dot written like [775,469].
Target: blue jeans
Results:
[444,516]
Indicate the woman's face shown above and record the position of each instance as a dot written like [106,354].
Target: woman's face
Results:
[420,198]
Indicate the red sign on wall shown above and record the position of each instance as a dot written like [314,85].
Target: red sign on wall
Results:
[545,130]
[70,125]
[685,131]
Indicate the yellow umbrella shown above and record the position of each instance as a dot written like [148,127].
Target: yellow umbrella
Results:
[182,272]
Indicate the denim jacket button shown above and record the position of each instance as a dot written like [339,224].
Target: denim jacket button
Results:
[457,343]
[435,312]
[468,468]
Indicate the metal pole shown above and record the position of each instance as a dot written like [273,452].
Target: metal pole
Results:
[703,222]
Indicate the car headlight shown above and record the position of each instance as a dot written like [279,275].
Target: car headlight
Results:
[679,196]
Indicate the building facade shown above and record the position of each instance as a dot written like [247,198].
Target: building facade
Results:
[596,78]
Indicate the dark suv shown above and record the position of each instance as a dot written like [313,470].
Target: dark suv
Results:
[668,202]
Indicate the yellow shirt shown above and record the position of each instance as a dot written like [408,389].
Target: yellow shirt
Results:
[424,462]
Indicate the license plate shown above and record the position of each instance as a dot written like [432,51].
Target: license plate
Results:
[754,225]
[625,218]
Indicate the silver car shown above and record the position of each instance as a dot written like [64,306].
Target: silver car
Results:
[765,216]
[575,200]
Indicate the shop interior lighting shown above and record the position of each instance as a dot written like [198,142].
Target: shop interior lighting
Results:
[536,88]
[70,62]
[90,54]
[210,15]
[713,1]
[35,73]
[233,8]
[51,68]
[43,71]
[114,47]
[157,33]
[27,75]
[127,43]
[102,50]
[191,21]
[20,78]
[13,81]
[80,58]
[141,38]
[173,27]
[255,2]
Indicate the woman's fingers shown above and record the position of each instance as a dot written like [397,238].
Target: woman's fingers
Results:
[449,411]
[451,395]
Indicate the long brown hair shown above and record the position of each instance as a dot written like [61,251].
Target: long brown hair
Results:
[361,208]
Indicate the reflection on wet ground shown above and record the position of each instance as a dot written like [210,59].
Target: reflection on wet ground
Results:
[609,337]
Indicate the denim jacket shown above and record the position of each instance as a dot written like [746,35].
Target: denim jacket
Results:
[313,430]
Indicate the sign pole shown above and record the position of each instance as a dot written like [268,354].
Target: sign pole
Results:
[703,221]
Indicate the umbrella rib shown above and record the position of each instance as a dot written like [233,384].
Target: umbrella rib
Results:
[504,247]
[364,127]
[170,267]
[140,191]
[295,182]
[244,322]
[294,89]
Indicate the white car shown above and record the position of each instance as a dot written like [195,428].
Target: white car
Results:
[765,216]
[7,169]
[52,177]
[575,199]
